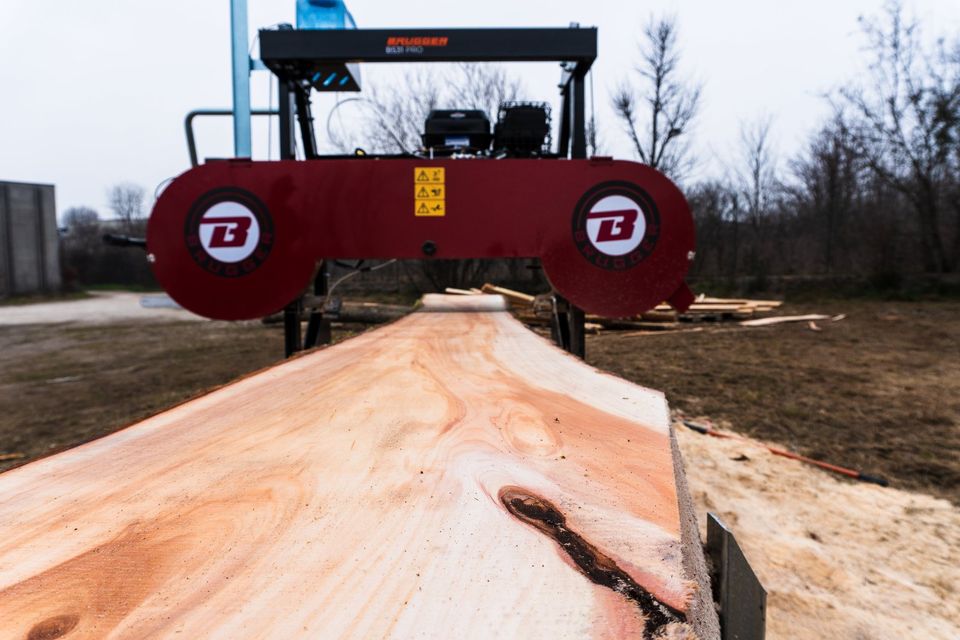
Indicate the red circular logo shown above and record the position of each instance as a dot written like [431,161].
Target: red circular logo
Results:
[616,225]
[229,232]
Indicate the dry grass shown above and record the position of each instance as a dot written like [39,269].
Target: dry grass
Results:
[63,385]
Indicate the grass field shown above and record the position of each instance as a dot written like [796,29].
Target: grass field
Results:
[879,391]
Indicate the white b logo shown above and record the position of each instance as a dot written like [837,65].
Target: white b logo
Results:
[229,232]
[616,225]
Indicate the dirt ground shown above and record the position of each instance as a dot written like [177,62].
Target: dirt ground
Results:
[61,385]
[879,391]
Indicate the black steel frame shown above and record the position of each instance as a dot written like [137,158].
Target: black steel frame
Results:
[284,49]
[293,55]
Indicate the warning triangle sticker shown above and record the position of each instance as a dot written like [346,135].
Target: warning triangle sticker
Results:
[422,177]
[423,193]
[423,208]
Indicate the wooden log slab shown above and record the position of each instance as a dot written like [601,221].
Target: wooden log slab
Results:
[450,475]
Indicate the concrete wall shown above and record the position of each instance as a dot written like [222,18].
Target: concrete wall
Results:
[29,242]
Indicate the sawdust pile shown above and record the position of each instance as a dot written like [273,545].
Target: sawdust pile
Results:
[838,559]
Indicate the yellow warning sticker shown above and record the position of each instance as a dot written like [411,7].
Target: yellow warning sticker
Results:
[429,192]
[430,208]
[435,175]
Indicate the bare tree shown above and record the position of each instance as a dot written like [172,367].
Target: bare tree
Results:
[946,101]
[594,144]
[484,87]
[714,205]
[81,246]
[395,116]
[126,202]
[827,186]
[76,218]
[756,185]
[757,175]
[906,126]
[657,113]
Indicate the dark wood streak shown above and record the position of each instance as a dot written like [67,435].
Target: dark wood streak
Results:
[52,628]
[593,563]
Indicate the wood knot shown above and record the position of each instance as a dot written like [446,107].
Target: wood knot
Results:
[532,509]
[598,567]
[55,627]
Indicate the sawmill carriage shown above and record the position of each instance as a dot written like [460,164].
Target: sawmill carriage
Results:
[449,475]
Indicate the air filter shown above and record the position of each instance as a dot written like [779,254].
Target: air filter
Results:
[523,128]
[457,129]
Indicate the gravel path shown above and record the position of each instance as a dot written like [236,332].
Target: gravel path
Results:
[102,308]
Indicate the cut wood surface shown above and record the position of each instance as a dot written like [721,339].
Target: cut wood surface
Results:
[461,292]
[514,297]
[766,322]
[450,475]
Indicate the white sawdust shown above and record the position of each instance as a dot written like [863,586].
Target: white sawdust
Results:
[839,559]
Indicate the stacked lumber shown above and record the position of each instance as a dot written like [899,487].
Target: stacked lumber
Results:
[515,298]
[449,475]
[536,310]
[717,309]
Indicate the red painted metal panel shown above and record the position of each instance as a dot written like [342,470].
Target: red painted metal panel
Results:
[614,237]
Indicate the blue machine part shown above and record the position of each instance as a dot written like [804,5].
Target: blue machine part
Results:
[311,14]
[241,65]
[329,14]
[324,14]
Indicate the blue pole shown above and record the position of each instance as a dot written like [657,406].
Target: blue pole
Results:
[241,79]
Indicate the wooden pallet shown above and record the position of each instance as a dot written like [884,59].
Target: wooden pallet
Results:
[450,475]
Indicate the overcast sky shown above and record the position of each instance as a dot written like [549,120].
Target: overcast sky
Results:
[94,93]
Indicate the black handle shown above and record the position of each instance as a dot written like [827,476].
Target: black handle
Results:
[124,241]
[696,427]
[864,477]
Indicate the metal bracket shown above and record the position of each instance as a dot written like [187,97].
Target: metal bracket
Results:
[318,322]
[736,589]
[188,126]
[566,326]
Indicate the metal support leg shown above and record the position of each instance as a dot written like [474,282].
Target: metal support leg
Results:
[305,118]
[563,148]
[569,320]
[288,144]
[291,328]
[579,119]
[566,327]
[318,327]
[578,342]
[559,328]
